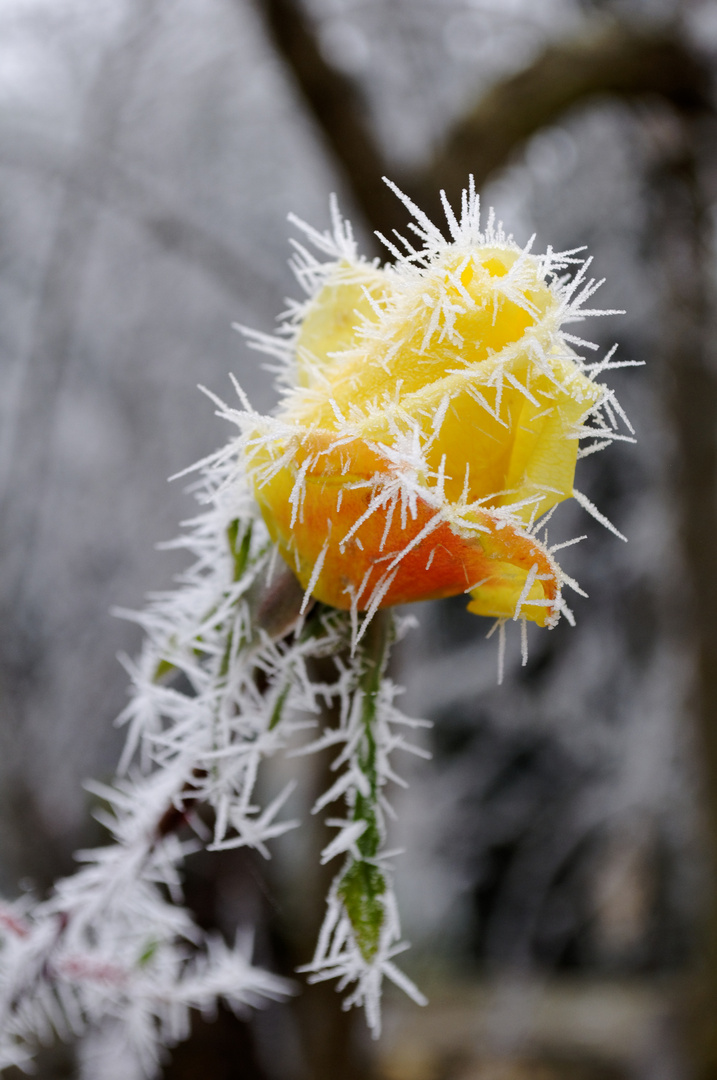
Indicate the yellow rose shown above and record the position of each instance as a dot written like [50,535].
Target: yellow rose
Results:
[433,418]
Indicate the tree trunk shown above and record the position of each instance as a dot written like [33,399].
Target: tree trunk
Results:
[690,376]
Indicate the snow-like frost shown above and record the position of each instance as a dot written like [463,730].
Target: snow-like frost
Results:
[226,679]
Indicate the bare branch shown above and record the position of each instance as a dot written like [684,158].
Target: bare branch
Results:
[619,62]
[337,108]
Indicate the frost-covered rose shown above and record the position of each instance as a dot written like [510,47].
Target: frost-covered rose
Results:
[431,419]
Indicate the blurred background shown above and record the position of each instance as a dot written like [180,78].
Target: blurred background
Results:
[560,879]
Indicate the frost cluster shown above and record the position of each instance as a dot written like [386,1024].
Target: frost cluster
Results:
[224,681]
[234,666]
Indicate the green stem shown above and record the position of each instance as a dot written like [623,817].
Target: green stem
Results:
[362,884]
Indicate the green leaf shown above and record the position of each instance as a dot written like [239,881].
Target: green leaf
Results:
[240,550]
[279,706]
[148,952]
[361,890]
[369,841]
[163,668]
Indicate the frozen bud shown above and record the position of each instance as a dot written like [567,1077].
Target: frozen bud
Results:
[434,418]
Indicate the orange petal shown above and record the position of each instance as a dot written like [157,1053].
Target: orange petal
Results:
[403,550]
